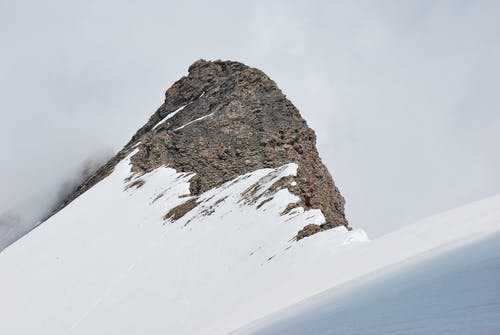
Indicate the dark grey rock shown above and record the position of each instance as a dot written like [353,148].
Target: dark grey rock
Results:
[244,123]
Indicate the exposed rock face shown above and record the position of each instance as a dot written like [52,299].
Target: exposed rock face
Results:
[226,119]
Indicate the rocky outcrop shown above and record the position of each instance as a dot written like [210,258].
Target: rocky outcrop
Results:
[225,119]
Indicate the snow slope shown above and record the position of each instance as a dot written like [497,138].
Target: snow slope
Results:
[454,292]
[110,264]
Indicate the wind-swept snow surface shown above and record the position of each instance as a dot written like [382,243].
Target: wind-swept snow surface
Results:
[110,263]
[455,292]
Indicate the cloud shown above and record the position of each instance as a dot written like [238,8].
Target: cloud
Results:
[403,96]
[30,209]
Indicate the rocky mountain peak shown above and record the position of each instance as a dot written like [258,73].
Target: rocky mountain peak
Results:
[225,119]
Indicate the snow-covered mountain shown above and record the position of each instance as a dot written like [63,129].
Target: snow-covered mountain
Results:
[109,263]
[217,213]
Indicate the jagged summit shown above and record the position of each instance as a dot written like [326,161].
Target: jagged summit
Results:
[223,120]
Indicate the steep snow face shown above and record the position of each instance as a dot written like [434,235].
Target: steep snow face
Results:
[109,263]
[454,292]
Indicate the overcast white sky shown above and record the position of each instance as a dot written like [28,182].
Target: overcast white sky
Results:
[403,95]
